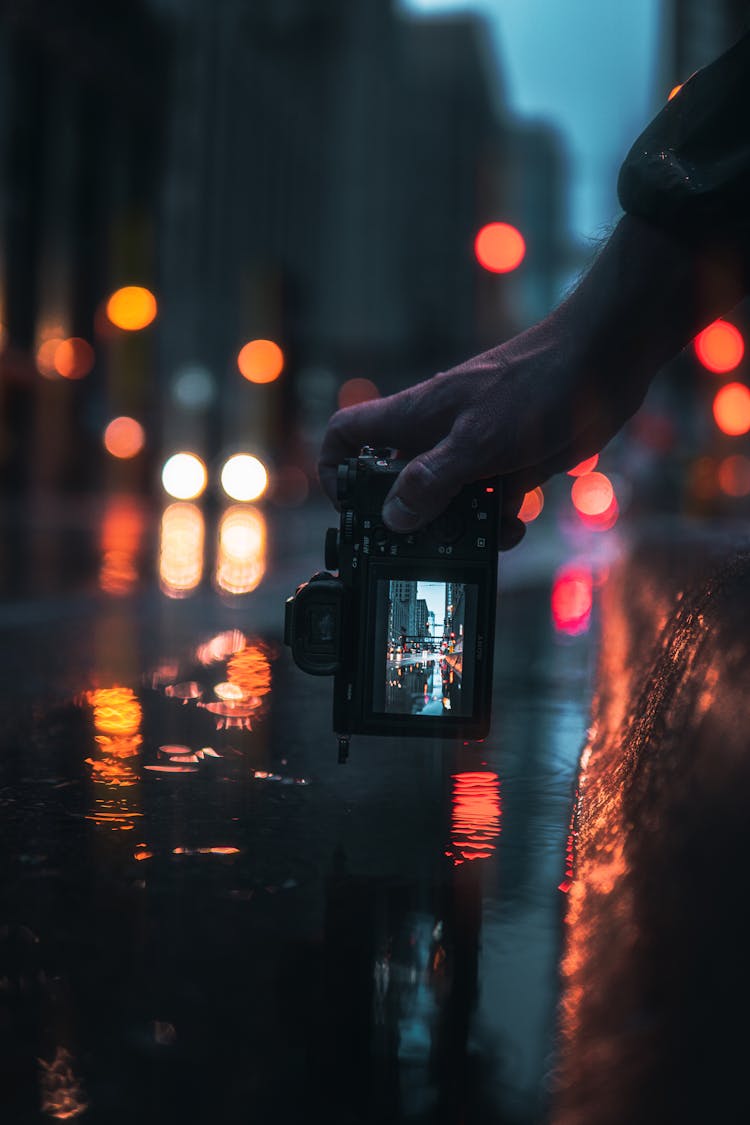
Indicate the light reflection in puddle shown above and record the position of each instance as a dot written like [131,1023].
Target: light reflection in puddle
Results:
[241,551]
[121,534]
[206,851]
[230,693]
[181,539]
[60,1091]
[475,819]
[117,718]
[221,647]
[189,689]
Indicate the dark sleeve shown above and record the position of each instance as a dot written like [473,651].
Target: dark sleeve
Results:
[689,171]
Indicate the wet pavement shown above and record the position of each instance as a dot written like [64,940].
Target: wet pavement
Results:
[204,916]
[655,974]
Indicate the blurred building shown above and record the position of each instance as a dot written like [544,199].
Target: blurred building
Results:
[694,33]
[329,165]
[308,171]
[80,111]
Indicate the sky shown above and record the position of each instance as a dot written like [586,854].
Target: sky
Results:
[586,66]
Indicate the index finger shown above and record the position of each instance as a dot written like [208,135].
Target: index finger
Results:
[383,421]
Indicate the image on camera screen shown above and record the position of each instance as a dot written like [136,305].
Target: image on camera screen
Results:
[427,630]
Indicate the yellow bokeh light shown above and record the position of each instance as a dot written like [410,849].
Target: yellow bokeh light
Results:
[244,477]
[124,438]
[132,308]
[184,476]
[261,361]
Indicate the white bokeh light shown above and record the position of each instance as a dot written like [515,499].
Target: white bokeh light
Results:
[184,476]
[244,477]
[193,387]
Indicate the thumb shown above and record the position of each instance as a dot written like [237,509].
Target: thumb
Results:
[425,486]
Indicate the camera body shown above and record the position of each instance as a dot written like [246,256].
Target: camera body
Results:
[407,627]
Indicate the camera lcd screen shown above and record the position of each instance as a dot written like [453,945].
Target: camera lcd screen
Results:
[425,634]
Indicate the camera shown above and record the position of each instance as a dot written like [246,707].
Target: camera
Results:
[406,628]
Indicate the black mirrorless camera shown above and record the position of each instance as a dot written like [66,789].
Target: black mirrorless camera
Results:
[407,627]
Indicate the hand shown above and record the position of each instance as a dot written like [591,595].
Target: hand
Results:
[551,396]
[524,410]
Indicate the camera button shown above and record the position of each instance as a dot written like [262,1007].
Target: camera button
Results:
[380,535]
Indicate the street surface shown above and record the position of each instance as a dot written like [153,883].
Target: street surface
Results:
[203,916]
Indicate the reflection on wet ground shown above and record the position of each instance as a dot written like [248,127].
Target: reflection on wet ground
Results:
[655,981]
[204,916]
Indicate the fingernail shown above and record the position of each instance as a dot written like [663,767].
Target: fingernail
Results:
[397,516]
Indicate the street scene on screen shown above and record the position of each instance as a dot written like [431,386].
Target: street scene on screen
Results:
[424,659]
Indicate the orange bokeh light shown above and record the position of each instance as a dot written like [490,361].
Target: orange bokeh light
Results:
[572,599]
[532,505]
[734,475]
[720,347]
[45,356]
[675,90]
[499,247]
[592,494]
[73,358]
[132,308]
[261,361]
[732,409]
[354,391]
[584,467]
[124,437]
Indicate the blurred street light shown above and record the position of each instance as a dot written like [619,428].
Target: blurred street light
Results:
[132,308]
[720,347]
[124,437]
[261,361]
[184,476]
[244,477]
[499,247]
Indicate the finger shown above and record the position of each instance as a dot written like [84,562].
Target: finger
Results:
[426,485]
[383,421]
[512,531]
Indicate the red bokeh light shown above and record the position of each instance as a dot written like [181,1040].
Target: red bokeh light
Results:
[354,391]
[734,475]
[499,247]
[572,599]
[592,494]
[584,467]
[732,409]
[720,347]
[532,505]
[602,521]
[124,438]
